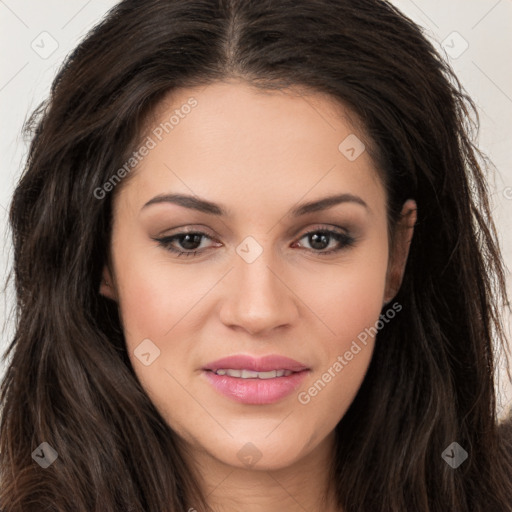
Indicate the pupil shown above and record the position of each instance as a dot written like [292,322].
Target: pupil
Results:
[321,239]
[186,242]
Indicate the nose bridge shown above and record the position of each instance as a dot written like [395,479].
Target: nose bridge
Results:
[258,280]
[258,299]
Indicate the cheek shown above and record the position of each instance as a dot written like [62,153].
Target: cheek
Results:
[349,296]
[350,304]
[159,302]
[344,355]
[169,302]
[155,294]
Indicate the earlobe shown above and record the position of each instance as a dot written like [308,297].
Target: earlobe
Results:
[107,288]
[400,251]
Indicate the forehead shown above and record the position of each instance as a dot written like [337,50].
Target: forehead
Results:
[233,142]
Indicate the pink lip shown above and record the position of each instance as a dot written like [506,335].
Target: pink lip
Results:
[256,391]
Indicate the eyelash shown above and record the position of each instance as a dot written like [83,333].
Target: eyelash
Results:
[344,239]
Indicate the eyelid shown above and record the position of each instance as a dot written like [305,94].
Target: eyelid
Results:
[186,229]
[202,230]
[345,241]
[324,227]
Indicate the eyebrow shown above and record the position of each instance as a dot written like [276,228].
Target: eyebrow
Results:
[204,206]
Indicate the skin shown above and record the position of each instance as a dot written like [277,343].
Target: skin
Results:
[258,154]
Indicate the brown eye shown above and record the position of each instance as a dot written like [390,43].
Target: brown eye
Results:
[321,239]
[187,243]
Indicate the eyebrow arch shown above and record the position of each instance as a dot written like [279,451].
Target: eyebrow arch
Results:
[195,203]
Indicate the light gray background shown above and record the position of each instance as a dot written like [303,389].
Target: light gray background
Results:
[35,36]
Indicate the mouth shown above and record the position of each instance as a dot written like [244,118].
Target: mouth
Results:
[269,363]
[249,374]
[255,381]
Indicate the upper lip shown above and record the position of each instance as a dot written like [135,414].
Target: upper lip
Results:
[256,364]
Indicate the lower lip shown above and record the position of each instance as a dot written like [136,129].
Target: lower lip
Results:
[256,391]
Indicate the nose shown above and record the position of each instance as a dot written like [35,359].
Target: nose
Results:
[258,298]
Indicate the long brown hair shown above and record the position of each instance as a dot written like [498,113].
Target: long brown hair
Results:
[69,381]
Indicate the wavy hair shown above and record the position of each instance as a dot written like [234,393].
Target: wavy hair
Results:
[69,381]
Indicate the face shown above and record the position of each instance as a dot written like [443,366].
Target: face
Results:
[257,275]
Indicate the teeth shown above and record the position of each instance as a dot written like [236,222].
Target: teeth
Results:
[249,374]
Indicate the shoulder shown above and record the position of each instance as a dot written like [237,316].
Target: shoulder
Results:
[505,429]
[505,439]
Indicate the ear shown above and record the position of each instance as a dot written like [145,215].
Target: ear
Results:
[400,250]
[107,285]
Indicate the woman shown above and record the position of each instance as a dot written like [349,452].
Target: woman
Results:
[256,270]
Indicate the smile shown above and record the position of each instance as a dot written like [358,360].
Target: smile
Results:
[249,374]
